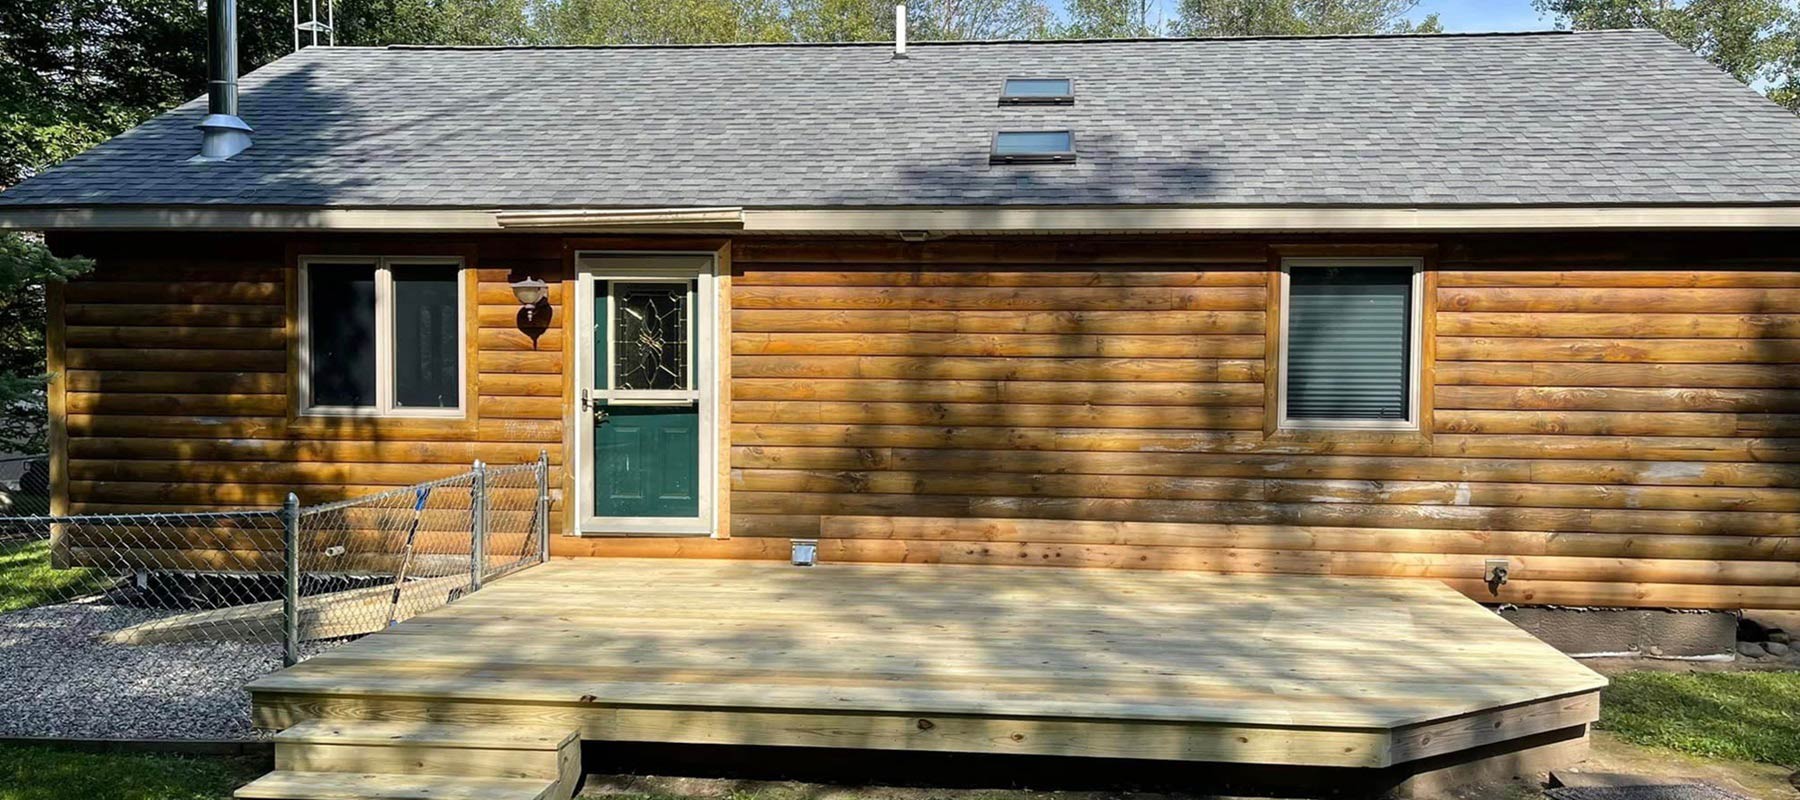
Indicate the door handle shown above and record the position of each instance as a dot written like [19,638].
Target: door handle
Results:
[589,403]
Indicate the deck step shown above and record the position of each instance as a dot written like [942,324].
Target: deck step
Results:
[427,734]
[478,751]
[292,785]
[396,752]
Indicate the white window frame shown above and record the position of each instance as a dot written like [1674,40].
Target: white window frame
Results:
[1415,325]
[384,337]
[699,268]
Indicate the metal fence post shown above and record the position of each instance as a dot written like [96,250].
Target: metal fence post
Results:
[543,506]
[479,526]
[290,590]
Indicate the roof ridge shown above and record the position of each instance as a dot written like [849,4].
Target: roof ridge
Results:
[1005,42]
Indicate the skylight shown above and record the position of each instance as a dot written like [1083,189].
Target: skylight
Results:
[1012,147]
[1037,91]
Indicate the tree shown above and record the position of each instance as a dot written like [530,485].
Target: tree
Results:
[1112,19]
[665,22]
[452,22]
[26,268]
[74,72]
[1755,41]
[840,20]
[974,20]
[1299,17]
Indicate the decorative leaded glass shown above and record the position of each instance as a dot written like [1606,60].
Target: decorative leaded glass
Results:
[650,336]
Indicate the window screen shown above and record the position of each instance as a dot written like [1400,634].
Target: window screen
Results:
[426,352]
[341,332]
[1349,343]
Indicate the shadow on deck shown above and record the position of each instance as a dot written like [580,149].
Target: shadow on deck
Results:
[1322,676]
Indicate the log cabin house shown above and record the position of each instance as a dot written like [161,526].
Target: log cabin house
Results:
[1355,307]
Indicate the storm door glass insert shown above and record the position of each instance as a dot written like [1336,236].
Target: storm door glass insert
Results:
[651,332]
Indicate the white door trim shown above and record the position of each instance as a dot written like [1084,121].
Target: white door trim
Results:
[701,267]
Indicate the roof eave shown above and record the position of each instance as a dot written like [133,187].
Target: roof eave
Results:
[947,219]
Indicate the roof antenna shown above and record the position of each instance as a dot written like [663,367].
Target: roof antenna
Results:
[900,30]
[222,133]
[314,26]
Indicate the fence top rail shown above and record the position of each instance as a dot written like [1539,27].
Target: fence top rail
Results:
[161,516]
[412,490]
[528,468]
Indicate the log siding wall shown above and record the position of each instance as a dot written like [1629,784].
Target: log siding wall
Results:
[1619,416]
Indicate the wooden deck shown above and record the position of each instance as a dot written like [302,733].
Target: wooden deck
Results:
[1311,671]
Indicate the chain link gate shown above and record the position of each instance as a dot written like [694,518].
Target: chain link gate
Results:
[122,597]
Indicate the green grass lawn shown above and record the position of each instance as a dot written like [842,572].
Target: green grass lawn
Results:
[27,580]
[1746,716]
[42,773]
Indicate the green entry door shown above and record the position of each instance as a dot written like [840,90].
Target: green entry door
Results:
[645,404]
[646,462]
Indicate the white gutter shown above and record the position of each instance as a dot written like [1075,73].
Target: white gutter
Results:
[971,219]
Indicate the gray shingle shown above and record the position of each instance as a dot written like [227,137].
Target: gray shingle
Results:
[1620,117]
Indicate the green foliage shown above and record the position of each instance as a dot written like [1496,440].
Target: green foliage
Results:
[43,773]
[1111,19]
[459,22]
[1755,41]
[1747,716]
[26,267]
[1299,17]
[670,22]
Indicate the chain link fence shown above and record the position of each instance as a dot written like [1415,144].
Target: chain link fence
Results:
[24,486]
[95,605]
[368,563]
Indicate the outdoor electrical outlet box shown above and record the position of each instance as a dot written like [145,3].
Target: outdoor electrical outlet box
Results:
[806,552]
[1496,571]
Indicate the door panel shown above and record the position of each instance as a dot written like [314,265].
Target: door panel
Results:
[646,462]
[646,445]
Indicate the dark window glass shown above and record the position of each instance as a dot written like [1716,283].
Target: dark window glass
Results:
[650,336]
[425,348]
[341,328]
[1045,88]
[1009,143]
[1349,345]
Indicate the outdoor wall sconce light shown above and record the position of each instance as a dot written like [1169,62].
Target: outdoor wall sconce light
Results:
[530,292]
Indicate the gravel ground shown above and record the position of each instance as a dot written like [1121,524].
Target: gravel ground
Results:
[57,680]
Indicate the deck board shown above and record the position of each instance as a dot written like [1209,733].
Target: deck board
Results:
[745,651]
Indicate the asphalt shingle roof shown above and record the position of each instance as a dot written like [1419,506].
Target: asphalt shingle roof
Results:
[1619,117]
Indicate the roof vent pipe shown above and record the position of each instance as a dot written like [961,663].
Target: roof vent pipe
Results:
[222,133]
[900,30]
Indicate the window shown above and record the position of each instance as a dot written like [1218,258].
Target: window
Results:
[1032,146]
[381,336]
[1350,343]
[1037,91]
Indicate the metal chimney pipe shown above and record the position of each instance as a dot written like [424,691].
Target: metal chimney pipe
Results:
[222,133]
[900,30]
[221,57]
